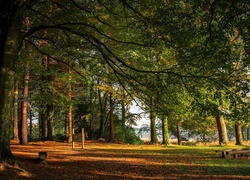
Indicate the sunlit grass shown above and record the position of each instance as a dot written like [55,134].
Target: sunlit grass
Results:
[192,158]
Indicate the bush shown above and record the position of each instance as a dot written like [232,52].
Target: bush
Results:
[60,137]
[127,135]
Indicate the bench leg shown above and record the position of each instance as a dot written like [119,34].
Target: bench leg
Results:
[223,154]
[235,155]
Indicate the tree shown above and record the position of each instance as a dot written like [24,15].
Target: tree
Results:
[127,36]
[70,115]
[222,130]
[111,120]
[11,20]
[165,132]
[15,112]
[24,109]
[102,104]
[238,133]
[178,133]
[153,134]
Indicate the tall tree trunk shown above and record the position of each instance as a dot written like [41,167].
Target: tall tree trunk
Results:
[43,106]
[178,133]
[102,119]
[15,112]
[222,129]
[49,106]
[70,115]
[24,110]
[6,105]
[243,130]
[90,134]
[103,105]
[123,114]
[123,109]
[165,134]
[30,117]
[238,133]
[66,132]
[70,124]
[153,135]
[217,118]
[111,118]
[49,122]
[9,41]
[248,133]
[43,126]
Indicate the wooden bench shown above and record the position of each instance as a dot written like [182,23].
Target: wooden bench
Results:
[224,152]
[241,152]
[234,151]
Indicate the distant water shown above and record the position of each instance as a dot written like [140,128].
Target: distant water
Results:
[144,135]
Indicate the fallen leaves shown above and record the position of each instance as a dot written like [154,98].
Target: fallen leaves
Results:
[100,160]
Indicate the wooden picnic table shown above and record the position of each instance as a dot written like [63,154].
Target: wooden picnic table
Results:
[234,152]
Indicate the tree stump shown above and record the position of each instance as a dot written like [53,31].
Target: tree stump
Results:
[42,156]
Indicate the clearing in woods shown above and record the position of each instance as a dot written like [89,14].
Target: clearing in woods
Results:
[101,160]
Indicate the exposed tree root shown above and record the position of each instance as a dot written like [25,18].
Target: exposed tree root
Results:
[15,168]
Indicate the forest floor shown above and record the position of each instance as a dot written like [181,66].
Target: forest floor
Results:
[101,160]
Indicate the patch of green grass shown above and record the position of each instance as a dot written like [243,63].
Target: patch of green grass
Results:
[209,161]
[196,159]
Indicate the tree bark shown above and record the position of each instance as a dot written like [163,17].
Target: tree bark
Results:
[70,116]
[49,106]
[43,106]
[15,112]
[178,133]
[103,105]
[123,109]
[217,118]
[222,129]
[43,126]
[49,122]
[153,134]
[30,117]
[248,133]
[123,114]
[111,118]
[70,124]
[9,41]
[24,110]
[165,134]
[6,105]
[238,133]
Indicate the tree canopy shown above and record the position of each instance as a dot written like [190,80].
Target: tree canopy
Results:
[191,58]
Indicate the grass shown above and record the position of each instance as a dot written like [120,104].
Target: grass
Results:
[100,160]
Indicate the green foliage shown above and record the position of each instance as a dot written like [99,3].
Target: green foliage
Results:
[127,135]
[201,129]
[60,137]
[122,134]
[191,57]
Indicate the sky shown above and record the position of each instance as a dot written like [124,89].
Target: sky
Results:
[136,109]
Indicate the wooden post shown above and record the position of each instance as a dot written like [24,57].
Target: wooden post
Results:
[77,138]
[224,154]
[82,138]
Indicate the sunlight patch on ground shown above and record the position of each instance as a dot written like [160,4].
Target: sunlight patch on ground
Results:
[25,174]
